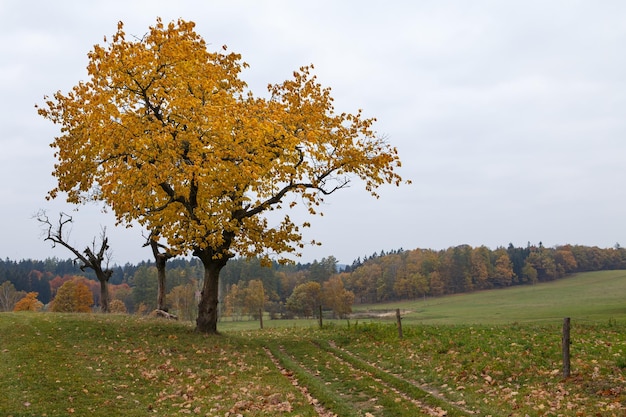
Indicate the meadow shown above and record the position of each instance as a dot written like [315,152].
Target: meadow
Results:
[588,297]
[493,353]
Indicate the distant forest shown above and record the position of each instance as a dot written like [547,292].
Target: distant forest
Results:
[380,277]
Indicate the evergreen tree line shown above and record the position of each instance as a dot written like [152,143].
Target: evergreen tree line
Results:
[395,275]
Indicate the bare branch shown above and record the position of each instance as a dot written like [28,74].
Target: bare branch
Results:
[91,257]
[55,234]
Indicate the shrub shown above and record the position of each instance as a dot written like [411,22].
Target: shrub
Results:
[117,306]
[73,297]
[29,303]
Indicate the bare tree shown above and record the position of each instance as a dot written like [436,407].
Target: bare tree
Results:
[160,259]
[91,257]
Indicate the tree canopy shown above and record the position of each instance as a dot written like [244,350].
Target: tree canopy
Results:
[73,296]
[167,134]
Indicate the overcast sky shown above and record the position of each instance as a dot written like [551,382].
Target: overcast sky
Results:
[509,116]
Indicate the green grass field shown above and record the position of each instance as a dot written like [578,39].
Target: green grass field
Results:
[493,353]
[592,297]
[589,297]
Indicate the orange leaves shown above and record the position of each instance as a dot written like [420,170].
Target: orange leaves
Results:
[28,303]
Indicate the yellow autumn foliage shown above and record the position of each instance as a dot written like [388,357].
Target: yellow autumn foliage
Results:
[168,135]
[73,297]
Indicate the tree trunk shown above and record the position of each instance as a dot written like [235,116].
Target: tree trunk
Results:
[160,265]
[207,308]
[104,292]
[103,276]
[160,260]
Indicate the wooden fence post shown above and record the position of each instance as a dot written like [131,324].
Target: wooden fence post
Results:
[565,347]
[399,321]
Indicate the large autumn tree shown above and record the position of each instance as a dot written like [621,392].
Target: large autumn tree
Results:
[166,133]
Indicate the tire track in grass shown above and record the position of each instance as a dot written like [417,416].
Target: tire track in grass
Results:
[430,410]
[350,402]
[319,408]
[365,392]
[456,407]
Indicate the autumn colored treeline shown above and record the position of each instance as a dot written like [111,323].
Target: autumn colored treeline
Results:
[296,289]
[45,277]
[425,272]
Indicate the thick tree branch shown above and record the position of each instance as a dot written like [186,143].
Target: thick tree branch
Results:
[153,242]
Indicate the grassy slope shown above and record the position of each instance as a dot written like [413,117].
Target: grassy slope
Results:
[106,365]
[589,297]
[594,296]
[97,365]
